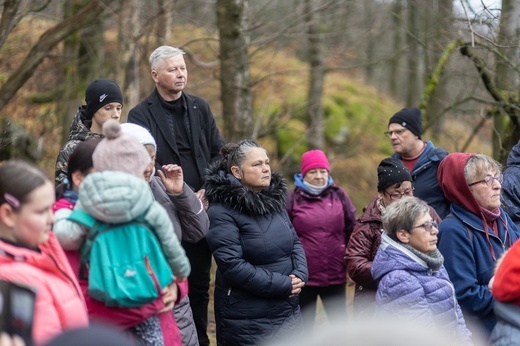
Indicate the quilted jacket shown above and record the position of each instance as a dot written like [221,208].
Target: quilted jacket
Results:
[256,249]
[409,288]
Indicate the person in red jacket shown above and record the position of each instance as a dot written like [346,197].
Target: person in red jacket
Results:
[394,182]
[30,253]
[323,216]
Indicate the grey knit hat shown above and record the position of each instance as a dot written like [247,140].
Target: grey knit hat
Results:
[119,151]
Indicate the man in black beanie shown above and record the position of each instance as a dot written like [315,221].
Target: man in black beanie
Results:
[104,100]
[421,158]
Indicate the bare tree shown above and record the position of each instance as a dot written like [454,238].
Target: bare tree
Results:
[46,42]
[316,137]
[234,69]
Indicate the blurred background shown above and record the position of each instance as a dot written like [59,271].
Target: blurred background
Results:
[292,74]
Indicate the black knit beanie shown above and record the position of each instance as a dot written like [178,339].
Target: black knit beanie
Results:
[411,118]
[101,92]
[391,171]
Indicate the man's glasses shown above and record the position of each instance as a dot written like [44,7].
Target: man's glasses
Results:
[427,226]
[397,132]
[489,180]
[398,195]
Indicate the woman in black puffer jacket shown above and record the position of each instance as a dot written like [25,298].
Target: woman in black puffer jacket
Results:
[261,263]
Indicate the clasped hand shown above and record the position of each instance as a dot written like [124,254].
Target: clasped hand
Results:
[297,285]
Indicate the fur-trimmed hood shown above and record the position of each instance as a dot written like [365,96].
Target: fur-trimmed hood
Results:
[223,188]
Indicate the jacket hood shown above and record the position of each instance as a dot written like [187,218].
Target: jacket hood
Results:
[223,188]
[514,155]
[116,197]
[80,127]
[392,256]
[453,182]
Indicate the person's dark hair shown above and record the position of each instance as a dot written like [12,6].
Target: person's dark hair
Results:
[17,180]
[79,160]
[81,157]
[234,154]
[402,214]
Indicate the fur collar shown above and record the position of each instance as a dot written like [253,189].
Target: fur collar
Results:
[223,188]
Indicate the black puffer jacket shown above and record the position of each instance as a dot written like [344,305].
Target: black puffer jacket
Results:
[256,249]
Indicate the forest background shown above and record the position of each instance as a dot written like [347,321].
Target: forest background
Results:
[293,74]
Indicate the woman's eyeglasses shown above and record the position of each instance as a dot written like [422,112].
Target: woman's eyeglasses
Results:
[427,225]
[398,195]
[489,180]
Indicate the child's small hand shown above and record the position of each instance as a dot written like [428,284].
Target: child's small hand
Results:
[170,294]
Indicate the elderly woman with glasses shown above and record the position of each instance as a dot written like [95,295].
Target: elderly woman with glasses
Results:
[475,234]
[413,283]
[394,182]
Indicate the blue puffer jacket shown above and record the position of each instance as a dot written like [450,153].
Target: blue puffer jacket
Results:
[256,249]
[408,288]
[469,261]
[510,188]
[425,182]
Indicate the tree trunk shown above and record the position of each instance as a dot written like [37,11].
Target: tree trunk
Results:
[315,128]
[395,75]
[440,32]
[67,105]
[165,22]
[127,70]
[506,133]
[412,74]
[235,87]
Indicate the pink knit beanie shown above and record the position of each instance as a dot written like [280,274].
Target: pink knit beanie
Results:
[314,159]
[120,152]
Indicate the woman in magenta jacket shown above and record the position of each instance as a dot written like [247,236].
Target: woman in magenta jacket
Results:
[323,216]
[30,253]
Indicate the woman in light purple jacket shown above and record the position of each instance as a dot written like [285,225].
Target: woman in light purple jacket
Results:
[413,283]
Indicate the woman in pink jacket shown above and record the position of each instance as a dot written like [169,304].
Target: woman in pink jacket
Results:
[31,255]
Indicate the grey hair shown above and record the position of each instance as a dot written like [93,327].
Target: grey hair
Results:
[234,154]
[162,53]
[402,214]
[477,165]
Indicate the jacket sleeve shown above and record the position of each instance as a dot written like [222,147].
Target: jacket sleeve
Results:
[216,140]
[62,161]
[459,261]
[192,215]
[298,255]
[349,212]
[158,218]
[224,241]
[510,196]
[71,235]
[359,255]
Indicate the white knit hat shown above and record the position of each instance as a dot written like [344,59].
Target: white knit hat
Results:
[120,152]
[140,133]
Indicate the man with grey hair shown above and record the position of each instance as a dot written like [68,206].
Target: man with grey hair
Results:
[186,134]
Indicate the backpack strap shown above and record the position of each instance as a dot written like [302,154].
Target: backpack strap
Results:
[83,218]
